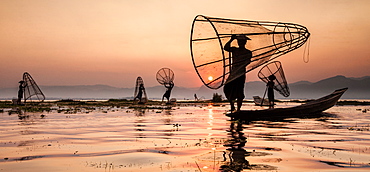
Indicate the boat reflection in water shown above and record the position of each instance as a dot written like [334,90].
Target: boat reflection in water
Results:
[235,155]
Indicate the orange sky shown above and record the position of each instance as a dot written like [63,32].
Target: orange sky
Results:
[86,42]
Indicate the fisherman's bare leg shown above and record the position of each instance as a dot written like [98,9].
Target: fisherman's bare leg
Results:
[239,104]
[232,105]
[271,104]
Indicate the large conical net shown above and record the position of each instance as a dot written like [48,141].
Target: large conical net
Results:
[140,93]
[165,76]
[280,83]
[269,40]
[32,91]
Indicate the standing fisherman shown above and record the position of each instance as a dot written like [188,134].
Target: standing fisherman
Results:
[167,94]
[270,91]
[140,93]
[241,57]
[20,92]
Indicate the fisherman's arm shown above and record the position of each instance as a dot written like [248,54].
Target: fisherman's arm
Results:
[227,46]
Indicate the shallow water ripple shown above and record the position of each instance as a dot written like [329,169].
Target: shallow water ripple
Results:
[184,138]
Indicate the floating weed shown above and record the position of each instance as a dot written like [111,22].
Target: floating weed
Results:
[359,128]
[105,165]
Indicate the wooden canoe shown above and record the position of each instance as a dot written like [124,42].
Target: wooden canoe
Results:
[305,110]
[258,101]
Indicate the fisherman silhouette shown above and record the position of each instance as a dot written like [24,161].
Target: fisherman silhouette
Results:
[167,94]
[196,97]
[240,58]
[140,93]
[20,91]
[270,90]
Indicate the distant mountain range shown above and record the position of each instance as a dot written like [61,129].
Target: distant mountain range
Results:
[359,88]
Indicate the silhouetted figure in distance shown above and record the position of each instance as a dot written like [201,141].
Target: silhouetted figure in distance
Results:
[140,93]
[167,94]
[20,91]
[240,58]
[196,97]
[270,91]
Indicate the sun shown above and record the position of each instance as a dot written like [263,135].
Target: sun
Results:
[210,78]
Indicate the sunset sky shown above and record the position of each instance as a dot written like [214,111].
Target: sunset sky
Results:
[112,42]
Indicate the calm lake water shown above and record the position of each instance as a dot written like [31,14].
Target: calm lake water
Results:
[185,138]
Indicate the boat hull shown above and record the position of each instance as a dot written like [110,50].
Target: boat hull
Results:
[258,101]
[308,109]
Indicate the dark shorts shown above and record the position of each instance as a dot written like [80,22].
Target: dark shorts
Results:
[270,94]
[167,94]
[235,89]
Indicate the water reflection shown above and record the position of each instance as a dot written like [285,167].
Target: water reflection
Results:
[167,120]
[140,123]
[183,139]
[139,112]
[235,154]
[145,128]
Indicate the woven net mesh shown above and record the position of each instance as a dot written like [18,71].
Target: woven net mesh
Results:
[140,93]
[32,92]
[280,84]
[165,76]
[269,40]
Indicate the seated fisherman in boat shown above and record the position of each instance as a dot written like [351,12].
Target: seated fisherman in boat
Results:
[240,58]
[270,91]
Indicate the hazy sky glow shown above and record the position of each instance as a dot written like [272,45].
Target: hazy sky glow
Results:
[87,42]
